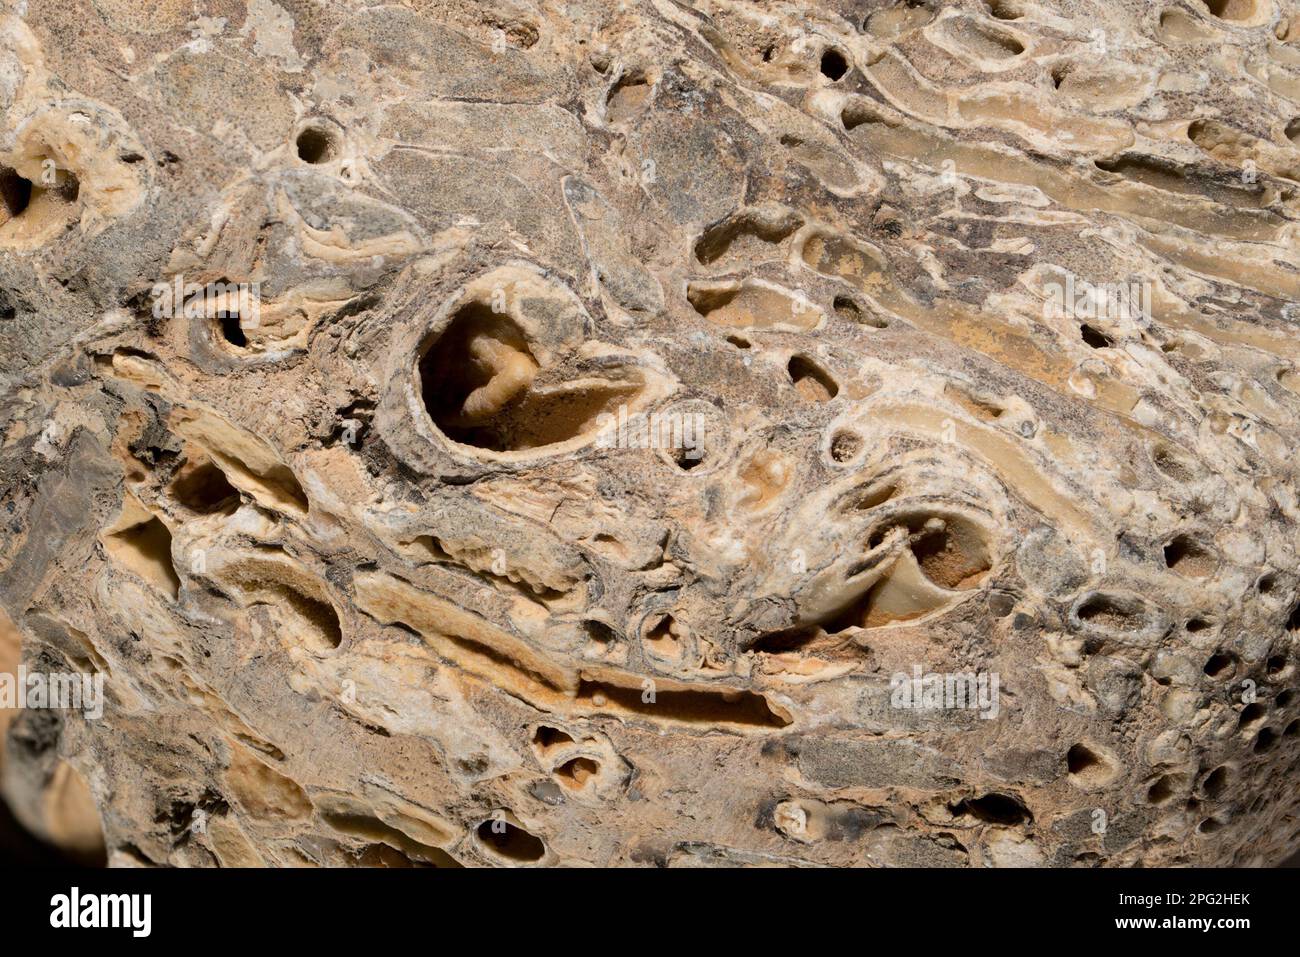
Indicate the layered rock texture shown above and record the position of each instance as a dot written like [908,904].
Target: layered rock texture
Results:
[330,334]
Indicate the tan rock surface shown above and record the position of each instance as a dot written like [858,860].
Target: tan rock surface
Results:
[315,316]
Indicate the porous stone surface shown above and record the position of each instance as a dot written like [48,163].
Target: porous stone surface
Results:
[367,580]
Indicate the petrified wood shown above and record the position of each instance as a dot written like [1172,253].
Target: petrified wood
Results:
[495,432]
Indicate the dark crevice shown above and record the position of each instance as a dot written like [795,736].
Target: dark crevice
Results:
[994,809]
[511,842]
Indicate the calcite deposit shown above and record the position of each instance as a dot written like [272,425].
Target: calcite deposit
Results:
[652,433]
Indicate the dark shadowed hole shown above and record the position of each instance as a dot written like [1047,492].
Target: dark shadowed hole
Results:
[1210,825]
[1161,791]
[577,772]
[1080,759]
[661,637]
[600,632]
[1108,611]
[320,614]
[1188,558]
[698,707]
[231,330]
[205,489]
[1293,620]
[147,548]
[1276,664]
[944,560]
[1265,740]
[477,378]
[994,809]
[833,65]
[686,459]
[15,191]
[1219,664]
[449,374]
[1232,9]
[789,639]
[1095,337]
[811,381]
[872,497]
[547,737]
[315,145]
[1250,714]
[1216,783]
[511,842]
[851,310]
[846,308]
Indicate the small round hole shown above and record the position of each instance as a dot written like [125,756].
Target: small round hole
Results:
[1161,791]
[1219,664]
[845,446]
[1079,759]
[1087,768]
[1250,714]
[316,145]
[833,65]
[576,772]
[1216,783]
[1189,558]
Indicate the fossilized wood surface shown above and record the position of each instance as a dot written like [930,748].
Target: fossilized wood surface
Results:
[362,582]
